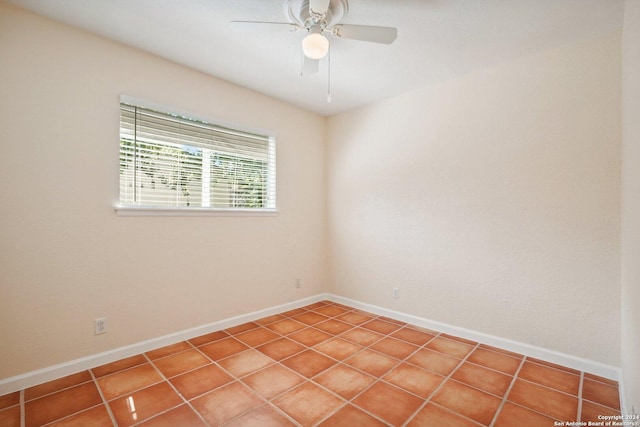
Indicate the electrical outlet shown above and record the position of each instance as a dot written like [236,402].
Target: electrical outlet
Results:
[396,293]
[100,326]
[298,284]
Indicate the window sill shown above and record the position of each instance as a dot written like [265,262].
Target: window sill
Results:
[161,211]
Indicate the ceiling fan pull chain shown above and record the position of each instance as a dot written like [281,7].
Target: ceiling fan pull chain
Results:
[329,75]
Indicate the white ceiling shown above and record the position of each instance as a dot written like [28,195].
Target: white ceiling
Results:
[437,40]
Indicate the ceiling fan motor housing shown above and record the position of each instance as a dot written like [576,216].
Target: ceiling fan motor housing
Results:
[298,12]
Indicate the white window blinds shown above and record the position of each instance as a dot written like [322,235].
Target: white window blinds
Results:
[176,162]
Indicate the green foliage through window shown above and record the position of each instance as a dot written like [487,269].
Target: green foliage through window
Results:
[171,161]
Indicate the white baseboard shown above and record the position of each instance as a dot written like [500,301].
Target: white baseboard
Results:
[30,379]
[40,376]
[581,364]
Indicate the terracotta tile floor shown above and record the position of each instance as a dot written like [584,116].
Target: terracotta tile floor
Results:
[322,365]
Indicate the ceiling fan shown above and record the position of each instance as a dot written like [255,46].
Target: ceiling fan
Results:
[317,18]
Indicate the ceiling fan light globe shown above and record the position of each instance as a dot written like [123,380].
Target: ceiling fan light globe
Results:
[315,46]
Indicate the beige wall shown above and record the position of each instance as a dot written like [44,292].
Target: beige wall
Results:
[491,201]
[66,258]
[631,204]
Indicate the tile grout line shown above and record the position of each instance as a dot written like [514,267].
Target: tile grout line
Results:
[446,378]
[306,379]
[548,387]
[240,379]
[350,400]
[216,364]
[342,362]
[221,367]
[346,401]
[521,405]
[166,380]
[491,393]
[104,399]
[251,409]
[47,394]
[556,368]
[579,414]
[22,410]
[269,401]
[507,392]
[66,418]
[213,362]
[542,386]
[368,347]
[62,390]
[458,414]
[338,363]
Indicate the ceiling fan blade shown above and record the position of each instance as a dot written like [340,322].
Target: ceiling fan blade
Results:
[253,26]
[367,33]
[309,66]
[318,7]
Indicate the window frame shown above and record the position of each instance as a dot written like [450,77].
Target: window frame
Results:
[147,210]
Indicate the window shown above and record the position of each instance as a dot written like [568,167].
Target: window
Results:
[173,163]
